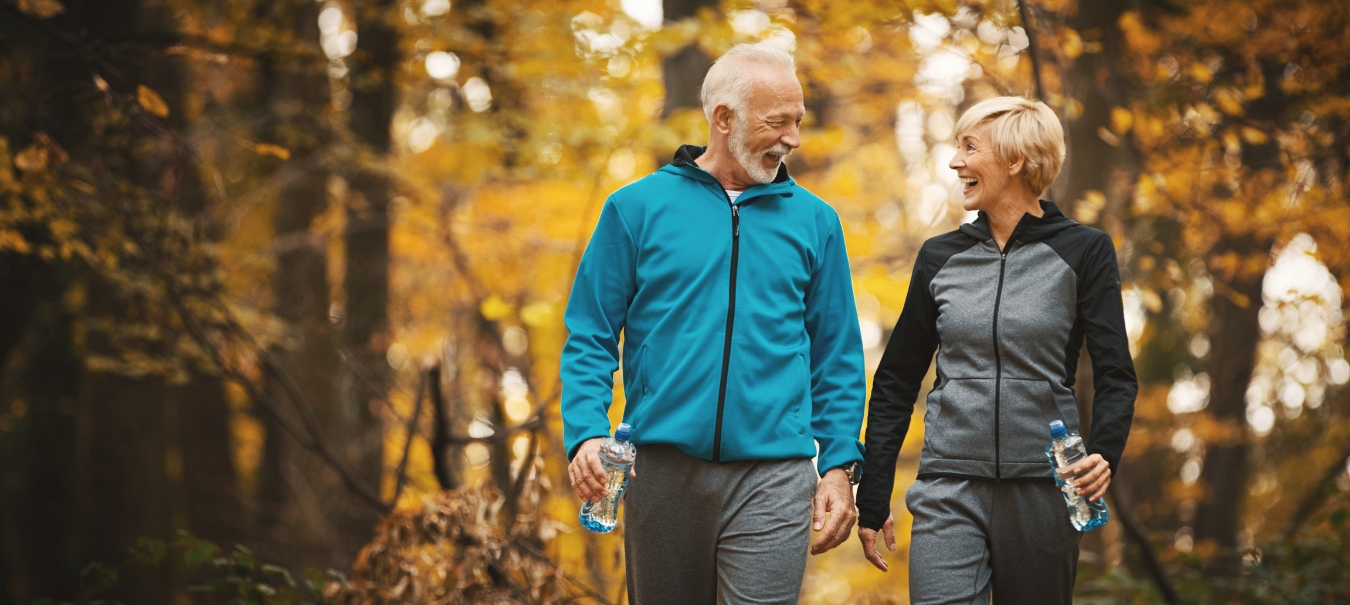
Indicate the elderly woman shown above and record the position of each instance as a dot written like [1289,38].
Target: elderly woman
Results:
[1007,302]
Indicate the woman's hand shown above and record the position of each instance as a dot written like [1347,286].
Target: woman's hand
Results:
[869,542]
[1091,476]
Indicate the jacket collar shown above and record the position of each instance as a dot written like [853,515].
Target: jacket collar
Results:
[1029,229]
[684,166]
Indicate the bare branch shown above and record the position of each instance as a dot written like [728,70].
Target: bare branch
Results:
[407,443]
[308,436]
[1137,534]
[1316,496]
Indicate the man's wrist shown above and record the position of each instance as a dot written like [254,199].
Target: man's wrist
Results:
[852,470]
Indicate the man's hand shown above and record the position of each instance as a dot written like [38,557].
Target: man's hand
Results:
[1091,476]
[834,495]
[588,473]
[868,537]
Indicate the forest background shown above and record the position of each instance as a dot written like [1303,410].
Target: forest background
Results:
[281,281]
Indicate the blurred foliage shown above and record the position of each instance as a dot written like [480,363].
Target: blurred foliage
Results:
[238,577]
[515,119]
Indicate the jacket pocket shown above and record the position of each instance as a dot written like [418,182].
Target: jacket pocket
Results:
[1028,408]
[962,426]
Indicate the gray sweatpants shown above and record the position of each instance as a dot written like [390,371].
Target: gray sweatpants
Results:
[698,532]
[971,536]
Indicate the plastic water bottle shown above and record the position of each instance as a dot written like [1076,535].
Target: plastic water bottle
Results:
[1065,449]
[617,455]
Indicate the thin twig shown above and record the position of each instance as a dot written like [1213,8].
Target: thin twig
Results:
[407,443]
[1313,500]
[533,552]
[1139,537]
[307,436]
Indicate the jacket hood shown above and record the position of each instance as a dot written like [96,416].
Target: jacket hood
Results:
[1030,229]
[683,165]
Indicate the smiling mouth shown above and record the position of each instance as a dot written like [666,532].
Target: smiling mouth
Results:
[969,183]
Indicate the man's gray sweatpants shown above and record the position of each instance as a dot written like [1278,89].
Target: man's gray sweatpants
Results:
[696,532]
[971,537]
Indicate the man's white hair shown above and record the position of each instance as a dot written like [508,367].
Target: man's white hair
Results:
[730,79]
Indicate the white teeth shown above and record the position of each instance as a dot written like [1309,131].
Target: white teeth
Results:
[969,182]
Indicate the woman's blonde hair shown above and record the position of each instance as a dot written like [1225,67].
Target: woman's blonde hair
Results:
[1021,128]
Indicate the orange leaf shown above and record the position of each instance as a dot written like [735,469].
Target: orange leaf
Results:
[43,9]
[273,150]
[152,102]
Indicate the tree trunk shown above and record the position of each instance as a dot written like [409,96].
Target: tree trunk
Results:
[210,497]
[300,498]
[49,374]
[365,335]
[683,70]
[1097,181]
[1234,335]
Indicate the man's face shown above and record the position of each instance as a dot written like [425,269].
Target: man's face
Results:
[766,131]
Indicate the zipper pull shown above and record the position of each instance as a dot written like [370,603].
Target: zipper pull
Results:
[735,220]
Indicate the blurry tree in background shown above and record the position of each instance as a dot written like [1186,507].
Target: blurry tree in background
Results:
[290,274]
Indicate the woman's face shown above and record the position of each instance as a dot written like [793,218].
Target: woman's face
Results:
[984,176]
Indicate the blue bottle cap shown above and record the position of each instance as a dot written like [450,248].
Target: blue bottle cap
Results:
[623,432]
[1057,430]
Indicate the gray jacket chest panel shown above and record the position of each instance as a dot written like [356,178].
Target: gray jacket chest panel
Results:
[1036,309]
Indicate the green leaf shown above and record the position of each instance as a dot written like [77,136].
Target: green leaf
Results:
[276,570]
[96,578]
[198,553]
[149,551]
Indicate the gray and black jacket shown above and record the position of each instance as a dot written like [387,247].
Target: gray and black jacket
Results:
[1008,327]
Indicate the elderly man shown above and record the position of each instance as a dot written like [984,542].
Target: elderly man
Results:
[741,359]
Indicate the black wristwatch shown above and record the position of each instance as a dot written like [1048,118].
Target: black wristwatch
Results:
[854,472]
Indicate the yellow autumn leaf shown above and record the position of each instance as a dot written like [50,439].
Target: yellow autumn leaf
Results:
[1254,136]
[273,150]
[152,102]
[31,159]
[13,240]
[1228,101]
[1201,73]
[494,308]
[537,314]
[42,9]
[1121,120]
[1073,44]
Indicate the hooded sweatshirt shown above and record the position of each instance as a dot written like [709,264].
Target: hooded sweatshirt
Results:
[740,336]
[1008,326]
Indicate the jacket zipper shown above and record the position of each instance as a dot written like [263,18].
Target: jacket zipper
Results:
[998,362]
[731,318]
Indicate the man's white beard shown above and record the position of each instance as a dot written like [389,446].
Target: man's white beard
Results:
[749,159]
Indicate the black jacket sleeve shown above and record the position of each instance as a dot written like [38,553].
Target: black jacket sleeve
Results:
[1103,320]
[894,390]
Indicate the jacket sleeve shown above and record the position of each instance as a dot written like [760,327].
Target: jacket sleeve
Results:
[895,387]
[1114,384]
[596,310]
[838,378]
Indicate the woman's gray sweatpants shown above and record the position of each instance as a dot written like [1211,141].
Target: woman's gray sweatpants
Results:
[696,532]
[971,537]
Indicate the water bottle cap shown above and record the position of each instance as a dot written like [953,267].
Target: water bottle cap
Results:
[1057,430]
[623,432]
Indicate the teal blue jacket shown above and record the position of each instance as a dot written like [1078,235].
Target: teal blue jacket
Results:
[741,337]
